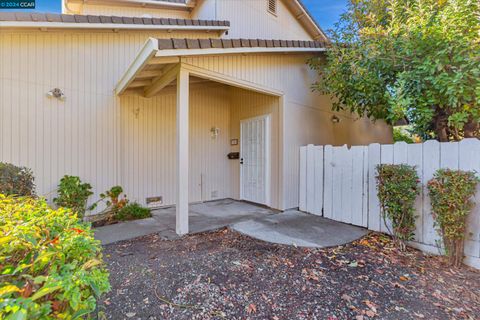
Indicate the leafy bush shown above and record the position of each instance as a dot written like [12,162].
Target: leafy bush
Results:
[450,193]
[50,264]
[18,181]
[402,135]
[397,190]
[73,194]
[113,199]
[133,211]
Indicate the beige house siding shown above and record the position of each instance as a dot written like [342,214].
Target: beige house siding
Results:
[108,140]
[250,19]
[148,145]
[129,11]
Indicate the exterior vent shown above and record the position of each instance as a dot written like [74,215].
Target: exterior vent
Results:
[154,202]
[272,6]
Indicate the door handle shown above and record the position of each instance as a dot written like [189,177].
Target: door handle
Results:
[241,161]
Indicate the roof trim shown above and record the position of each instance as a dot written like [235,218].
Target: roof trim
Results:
[252,45]
[107,26]
[221,51]
[74,21]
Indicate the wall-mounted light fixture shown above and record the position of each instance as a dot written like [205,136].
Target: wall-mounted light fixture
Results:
[215,132]
[57,94]
[335,119]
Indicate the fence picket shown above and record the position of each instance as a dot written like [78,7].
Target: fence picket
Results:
[469,151]
[310,182]
[431,163]
[365,188]
[374,159]
[356,212]
[318,181]
[415,158]
[328,184]
[303,179]
[386,158]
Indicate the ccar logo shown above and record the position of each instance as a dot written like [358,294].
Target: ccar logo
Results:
[17,4]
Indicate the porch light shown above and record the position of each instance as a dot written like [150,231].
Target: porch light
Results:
[215,132]
[335,119]
[56,93]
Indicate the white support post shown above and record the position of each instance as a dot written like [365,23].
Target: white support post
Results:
[183,92]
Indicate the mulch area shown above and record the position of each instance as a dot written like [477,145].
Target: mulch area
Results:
[225,275]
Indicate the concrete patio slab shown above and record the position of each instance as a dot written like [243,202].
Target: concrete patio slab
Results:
[203,217]
[300,229]
[290,227]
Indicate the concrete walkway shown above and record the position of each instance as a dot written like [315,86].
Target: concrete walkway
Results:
[290,228]
[203,217]
[300,229]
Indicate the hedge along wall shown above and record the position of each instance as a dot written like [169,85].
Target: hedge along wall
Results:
[339,183]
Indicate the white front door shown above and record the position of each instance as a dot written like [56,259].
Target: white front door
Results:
[255,160]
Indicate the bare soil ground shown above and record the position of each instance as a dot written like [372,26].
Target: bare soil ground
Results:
[225,275]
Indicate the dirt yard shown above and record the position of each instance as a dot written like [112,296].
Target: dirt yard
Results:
[224,275]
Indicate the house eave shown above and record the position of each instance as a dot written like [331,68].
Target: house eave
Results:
[105,26]
[227,51]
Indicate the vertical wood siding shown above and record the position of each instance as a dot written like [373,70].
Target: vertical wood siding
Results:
[130,11]
[251,19]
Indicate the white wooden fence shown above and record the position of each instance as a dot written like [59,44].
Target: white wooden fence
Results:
[339,183]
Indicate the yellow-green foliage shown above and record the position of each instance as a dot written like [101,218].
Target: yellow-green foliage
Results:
[50,265]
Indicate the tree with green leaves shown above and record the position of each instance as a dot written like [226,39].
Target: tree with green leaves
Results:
[413,59]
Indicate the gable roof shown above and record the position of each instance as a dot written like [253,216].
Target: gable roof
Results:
[46,20]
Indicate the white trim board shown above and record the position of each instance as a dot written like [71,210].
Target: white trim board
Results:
[105,26]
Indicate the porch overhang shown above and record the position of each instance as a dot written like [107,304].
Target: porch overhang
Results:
[159,61]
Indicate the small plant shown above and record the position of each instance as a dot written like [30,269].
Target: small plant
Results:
[398,187]
[132,211]
[16,181]
[113,199]
[73,194]
[451,193]
[50,265]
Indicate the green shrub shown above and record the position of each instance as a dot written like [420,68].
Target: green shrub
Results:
[400,134]
[18,181]
[133,211]
[73,194]
[451,193]
[50,264]
[397,190]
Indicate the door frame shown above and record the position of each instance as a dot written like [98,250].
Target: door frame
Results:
[268,152]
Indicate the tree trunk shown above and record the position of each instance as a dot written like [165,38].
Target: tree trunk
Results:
[470,130]
[441,127]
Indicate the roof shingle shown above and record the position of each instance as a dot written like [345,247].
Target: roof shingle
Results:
[94,19]
[174,43]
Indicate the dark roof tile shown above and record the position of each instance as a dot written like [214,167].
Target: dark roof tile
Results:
[68,18]
[235,43]
[164,44]
[64,18]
